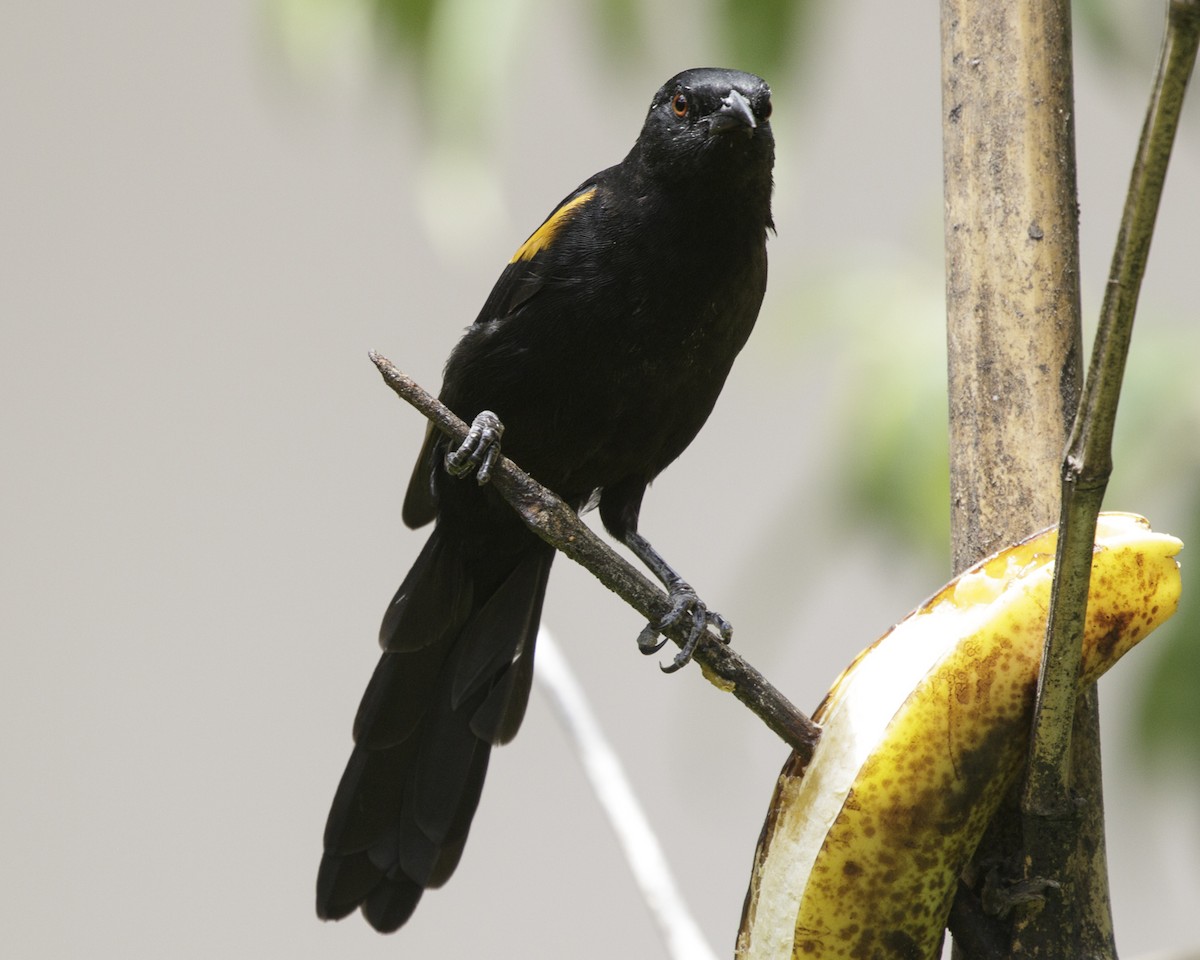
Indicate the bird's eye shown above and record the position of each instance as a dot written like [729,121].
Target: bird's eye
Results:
[765,111]
[679,104]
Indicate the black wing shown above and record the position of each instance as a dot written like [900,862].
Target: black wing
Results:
[522,278]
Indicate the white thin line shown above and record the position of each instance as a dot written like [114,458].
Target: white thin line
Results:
[642,850]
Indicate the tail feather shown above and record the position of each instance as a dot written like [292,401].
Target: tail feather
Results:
[499,716]
[451,853]
[441,786]
[388,907]
[414,853]
[343,883]
[423,861]
[367,797]
[517,601]
[453,680]
[397,698]
[432,602]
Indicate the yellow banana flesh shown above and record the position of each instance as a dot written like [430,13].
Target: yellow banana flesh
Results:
[922,735]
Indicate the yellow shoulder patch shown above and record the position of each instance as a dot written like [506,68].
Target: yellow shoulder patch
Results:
[542,236]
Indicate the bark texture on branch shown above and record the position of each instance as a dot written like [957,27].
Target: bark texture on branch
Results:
[1012,265]
[1014,345]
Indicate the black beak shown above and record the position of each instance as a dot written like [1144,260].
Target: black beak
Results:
[734,114]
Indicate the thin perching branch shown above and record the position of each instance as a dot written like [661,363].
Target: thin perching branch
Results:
[556,523]
[1088,461]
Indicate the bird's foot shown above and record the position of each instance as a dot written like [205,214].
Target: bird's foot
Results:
[479,451]
[685,606]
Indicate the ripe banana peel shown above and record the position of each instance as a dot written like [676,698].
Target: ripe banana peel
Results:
[922,736]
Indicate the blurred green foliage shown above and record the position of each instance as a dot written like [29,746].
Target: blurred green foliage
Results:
[759,36]
[1123,32]
[762,36]
[409,22]
[1169,720]
[877,330]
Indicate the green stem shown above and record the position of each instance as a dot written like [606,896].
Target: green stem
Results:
[1088,462]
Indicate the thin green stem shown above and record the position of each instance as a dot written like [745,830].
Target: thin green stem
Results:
[1047,802]
[1088,462]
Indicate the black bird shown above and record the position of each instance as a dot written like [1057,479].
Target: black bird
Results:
[601,349]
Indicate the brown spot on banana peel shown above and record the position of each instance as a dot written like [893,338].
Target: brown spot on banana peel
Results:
[923,734]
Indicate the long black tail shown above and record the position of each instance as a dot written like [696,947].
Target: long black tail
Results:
[453,681]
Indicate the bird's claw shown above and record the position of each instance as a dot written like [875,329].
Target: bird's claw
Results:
[479,451]
[649,642]
[684,604]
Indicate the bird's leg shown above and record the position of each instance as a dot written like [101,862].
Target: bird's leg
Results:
[684,603]
[480,448]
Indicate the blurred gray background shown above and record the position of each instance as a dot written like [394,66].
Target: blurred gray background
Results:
[210,212]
